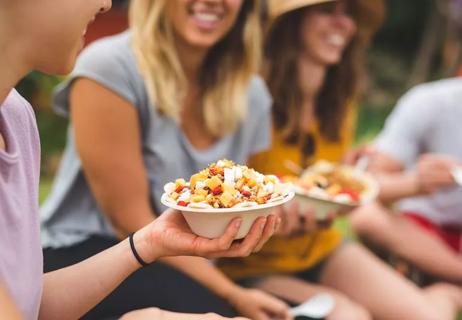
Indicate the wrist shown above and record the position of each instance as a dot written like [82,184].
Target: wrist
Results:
[233,294]
[144,247]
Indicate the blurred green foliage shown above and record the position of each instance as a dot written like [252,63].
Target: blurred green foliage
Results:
[38,88]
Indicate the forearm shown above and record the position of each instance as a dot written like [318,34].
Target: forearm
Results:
[395,186]
[204,272]
[70,292]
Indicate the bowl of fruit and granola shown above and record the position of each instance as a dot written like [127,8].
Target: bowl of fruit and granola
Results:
[327,187]
[213,197]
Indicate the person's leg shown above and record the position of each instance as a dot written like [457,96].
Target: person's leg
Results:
[297,291]
[407,240]
[351,269]
[157,285]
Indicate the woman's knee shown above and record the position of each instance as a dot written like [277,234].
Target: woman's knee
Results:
[369,219]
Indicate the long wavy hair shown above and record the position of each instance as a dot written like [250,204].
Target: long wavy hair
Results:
[225,73]
[283,47]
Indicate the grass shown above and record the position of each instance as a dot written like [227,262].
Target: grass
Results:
[44,188]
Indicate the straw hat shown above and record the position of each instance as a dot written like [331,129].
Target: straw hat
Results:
[369,17]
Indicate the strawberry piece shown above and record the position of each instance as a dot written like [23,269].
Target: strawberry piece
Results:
[246,193]
[182,203]
[179,189]
[218,190]
[353,194]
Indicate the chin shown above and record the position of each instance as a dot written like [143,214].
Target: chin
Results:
[67,66]
[59,68]
[333,62]
[65,70]
[203,42]
[59,63]
[330,60]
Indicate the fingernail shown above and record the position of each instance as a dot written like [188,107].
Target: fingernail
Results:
[238,223]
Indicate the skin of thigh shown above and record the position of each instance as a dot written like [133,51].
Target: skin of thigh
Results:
[357,273]
[298,291]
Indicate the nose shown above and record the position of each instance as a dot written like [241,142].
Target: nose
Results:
[106,6]
[345,21]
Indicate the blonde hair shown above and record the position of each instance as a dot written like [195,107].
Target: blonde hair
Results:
[225,74]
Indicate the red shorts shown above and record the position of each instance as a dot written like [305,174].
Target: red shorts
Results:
[451,235]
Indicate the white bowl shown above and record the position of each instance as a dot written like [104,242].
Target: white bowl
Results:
[323,206]
[212,223]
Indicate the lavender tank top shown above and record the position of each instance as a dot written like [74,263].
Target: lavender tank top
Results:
[21,261]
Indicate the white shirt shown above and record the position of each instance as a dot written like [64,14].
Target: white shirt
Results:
[428,119]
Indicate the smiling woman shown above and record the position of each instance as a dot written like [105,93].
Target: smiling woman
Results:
[198,46]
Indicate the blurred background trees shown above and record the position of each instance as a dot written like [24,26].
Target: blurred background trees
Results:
[420,41]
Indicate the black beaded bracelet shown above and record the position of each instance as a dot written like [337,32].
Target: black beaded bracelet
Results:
[135,253]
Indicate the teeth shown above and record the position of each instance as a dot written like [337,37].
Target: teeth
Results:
[336,40]
[207,17]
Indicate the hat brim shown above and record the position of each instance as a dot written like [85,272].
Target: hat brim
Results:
[278,8]
[369,16]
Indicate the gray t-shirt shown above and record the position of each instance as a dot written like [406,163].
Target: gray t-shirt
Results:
[428,120]
[70,214]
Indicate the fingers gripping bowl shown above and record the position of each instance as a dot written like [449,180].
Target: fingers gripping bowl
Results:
[327,187]
[224,191]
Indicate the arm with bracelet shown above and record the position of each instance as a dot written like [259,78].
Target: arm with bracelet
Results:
[168,235]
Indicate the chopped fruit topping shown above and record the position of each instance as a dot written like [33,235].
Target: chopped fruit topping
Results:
[334,182]
[182,203]
[213,182]
[218,190]
[179,189]
[246,193]
[353,194]
[225,185]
